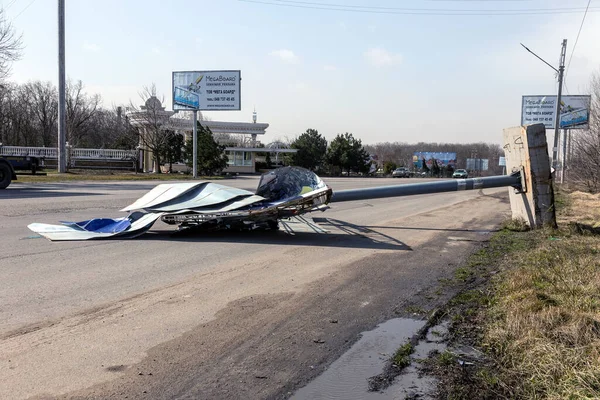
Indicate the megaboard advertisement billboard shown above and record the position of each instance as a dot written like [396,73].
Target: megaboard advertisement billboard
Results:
[206,90]
[574,111]
[442,159]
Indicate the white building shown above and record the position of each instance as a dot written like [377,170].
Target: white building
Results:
[241,155]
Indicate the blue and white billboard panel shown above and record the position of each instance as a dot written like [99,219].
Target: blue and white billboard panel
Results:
[442,159]
[574,111]
[206,90]
[575,119]
[186,98]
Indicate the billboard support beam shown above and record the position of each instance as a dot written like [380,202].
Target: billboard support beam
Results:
[526,156]
[195,143]
[454,185]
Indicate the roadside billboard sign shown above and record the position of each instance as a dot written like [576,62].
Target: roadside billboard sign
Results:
[206,90]
[574,111]
[443,159]
[477,164]
[502,161]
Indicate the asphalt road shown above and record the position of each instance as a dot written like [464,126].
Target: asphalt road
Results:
[80,319]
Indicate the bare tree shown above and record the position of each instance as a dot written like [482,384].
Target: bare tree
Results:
[584,166]
[402,153]
[44,102]
[152,120]
[111,129]
[189,114]
[6,91]
[81,109]
[10,45]
[18,122]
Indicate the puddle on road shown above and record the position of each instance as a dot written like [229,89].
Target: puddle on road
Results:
[347,378]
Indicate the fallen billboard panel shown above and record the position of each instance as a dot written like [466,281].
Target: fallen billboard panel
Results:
[283,193]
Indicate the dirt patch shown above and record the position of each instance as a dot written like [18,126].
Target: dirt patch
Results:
[268,346]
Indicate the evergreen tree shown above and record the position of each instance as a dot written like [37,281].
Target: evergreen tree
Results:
[346,153]
[389,167]
[173,150]
[311,147]
[211,155]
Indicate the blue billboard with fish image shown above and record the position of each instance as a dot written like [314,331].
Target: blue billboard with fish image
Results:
[443,159]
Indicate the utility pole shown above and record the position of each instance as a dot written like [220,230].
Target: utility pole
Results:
[561,70]
[62,164]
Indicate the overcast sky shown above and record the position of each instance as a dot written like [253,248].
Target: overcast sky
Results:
[371,69]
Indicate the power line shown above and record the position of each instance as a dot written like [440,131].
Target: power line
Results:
[10,4]
[321,4]
[432,11]
[577,39]
[23,10]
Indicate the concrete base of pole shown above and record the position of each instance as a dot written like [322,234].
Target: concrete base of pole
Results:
[526,149]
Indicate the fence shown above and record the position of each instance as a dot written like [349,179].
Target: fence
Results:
[52,152]
[78,158]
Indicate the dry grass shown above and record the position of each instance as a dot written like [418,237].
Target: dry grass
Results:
[543,329]
[582,208]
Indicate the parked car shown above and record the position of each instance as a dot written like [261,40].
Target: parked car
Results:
[379,172]
[401,172]
[460,173]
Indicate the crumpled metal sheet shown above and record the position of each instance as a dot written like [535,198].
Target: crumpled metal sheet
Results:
[137,224]
[162,194]
[209,195]
[287,183]
[101,225]
[283,193]
[173,196]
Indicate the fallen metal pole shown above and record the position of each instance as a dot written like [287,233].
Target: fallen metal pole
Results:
[513,180]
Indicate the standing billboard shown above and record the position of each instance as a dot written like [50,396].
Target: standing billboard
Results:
[443,159]
[574,111]
[478,164]
[206,90]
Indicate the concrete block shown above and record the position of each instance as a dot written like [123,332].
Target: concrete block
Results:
[525,148]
